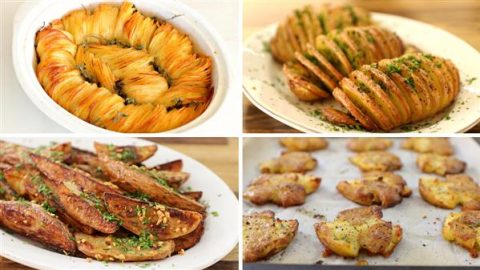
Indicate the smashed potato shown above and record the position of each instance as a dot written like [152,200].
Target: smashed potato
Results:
[376,161]
[359,229]
[383,188]
[463,229]
[440,146]
[264,236]
[458,189]
[304,144]
[285,190]
[369,144]
[441,165]
[289,162]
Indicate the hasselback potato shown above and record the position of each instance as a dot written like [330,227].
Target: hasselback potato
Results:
[316,70]
[306,24]
[394,92]
[123,71]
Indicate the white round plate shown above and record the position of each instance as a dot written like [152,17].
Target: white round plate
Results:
[266,87]
[220,237]
[32,16]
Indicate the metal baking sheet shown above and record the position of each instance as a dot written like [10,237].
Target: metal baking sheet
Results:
[422,242]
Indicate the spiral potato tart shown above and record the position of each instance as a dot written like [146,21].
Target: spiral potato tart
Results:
[394,92]
[317,69]
[120,70]
[306,24]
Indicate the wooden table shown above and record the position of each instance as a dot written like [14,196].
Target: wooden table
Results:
[460,17]
[223,161]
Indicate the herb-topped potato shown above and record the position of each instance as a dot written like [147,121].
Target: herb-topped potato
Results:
[463,229]
[289,162]
[376,161]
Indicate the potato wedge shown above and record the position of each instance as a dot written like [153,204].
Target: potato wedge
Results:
[174,166]
[190,240]
[194,195]
[131,249]
[161,221]
[129,154]
[6,192]
[15,154]
[134,179]
[32,221]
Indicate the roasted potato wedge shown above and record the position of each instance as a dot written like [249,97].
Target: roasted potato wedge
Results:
[289,162]
[369,144]
[359,229]
[6,192]
[285,190]
[304,144]
[174,166]
[456,189]
[194,195]
[264,236]
[376,161]
[134,179]
[463,229]
[440,146]
[188,241]
[131,249]
[382,188]
[161,221]
[15,154]
[441,165]
[129,154]
[32,221]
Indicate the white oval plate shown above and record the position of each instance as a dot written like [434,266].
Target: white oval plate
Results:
[31,16]
[220,237]
[266,87]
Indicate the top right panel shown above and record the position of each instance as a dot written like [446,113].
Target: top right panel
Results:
[361,66]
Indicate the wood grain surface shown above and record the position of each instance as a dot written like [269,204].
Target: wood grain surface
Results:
[218,154]
[459,17]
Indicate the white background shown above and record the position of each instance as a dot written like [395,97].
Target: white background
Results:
[18,114]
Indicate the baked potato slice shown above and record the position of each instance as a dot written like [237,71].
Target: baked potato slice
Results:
[303,83]
[134,179]
[129,249]
[440,146]
[174,166]
[34,222]
[334,55]
[311,63]
[285,190]
[338,117]
[376,161]
[357,112]
[369,144]
[441,165]
[303,144]
[289,162]
[463,229]
[161,221]
[359,229]
[265,236]
[456,189]
[130,154]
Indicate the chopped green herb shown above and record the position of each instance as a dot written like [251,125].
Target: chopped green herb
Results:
[392,68]
[410,82]
[471,80]
[214,213]
[266,47]
[139,196]
[363,88]
[48,207]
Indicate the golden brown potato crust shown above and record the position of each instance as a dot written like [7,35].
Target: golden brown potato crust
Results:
[441,165]
[289,162]
[304,144]
[376,161]
[383,188]
[264,236]
[463,229]
[359,229]
[285,190]
[458,189]
[440,146]
[369,144]
[130,154]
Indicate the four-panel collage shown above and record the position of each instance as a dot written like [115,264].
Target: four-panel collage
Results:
[239,134]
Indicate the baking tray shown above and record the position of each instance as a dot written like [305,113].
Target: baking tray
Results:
[422,243]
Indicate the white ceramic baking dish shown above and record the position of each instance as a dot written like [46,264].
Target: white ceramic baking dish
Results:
[31,16]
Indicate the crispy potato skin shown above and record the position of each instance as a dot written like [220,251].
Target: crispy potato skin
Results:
[164,222]
[133,180]
[359,229]
[135,154]
[369,144]
[441,165]
[440,146]
[33,222]
[14,154]
[188,241]
[382,188]
[174,166]
[264,236]
[104,248]
[304,144]
[299,162]
[455,190]
[285,190]
[376,161]
[463,229]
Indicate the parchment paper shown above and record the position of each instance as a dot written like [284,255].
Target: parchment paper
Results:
[422,242]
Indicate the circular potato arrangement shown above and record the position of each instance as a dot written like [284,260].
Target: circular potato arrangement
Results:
[121,70]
